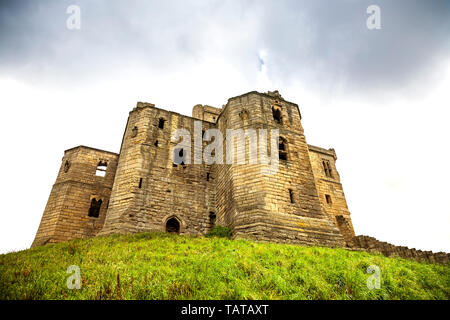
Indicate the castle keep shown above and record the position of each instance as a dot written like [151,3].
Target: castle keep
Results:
[143,189]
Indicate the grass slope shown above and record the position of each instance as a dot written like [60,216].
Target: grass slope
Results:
[163,266]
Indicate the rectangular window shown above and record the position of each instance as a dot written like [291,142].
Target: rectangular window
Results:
[282,149]
[328,198]
[327,168]
[101,169]
[94,210]
[161,123]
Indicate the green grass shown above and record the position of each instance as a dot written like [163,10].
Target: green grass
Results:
[164,266]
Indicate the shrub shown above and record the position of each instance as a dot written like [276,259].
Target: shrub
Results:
[220,231]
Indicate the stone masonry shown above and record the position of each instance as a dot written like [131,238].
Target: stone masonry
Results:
[143,189]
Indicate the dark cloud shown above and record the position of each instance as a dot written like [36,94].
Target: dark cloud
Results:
[330,43]
[322,43]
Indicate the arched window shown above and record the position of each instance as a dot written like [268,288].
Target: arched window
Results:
[134,132]
[276,112]
[173,225]
[244,116]
[291,195]
[101,169]
[282,149]
[94,210]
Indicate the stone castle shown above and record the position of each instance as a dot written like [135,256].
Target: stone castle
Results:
[143,189]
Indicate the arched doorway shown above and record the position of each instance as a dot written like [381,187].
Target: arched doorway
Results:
[173,225]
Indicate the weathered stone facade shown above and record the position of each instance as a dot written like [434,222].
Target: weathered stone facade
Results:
[142,189]
[66,214]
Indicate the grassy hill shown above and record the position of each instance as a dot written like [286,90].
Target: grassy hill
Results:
[164,266]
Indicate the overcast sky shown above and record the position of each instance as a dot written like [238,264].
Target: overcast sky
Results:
[380,97]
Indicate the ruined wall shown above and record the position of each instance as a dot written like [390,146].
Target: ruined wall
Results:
[149,189]
[152,193]
[371,244]
[206,113]
[258,205]
[330,189]
[66,214]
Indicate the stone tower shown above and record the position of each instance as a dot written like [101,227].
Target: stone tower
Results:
[283,206]
[150,192]
[79,198]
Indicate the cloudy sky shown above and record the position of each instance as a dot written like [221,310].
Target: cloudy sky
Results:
[380,97]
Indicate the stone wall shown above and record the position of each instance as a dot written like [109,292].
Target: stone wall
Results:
[330,190]
[148,192]
[282,206]
[149,188]
[66,214]
[373,245]
[206,113]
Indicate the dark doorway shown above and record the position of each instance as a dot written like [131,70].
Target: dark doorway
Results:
[212,219]
[173,226]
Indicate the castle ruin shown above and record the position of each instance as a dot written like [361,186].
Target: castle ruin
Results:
[143,189]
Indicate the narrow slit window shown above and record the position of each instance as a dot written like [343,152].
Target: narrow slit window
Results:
[156,143]
[291,195]
[161,123]
[101,169]
[140,183]
[207,176]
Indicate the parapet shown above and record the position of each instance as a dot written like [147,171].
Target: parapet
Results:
[206,113]
[330,152]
